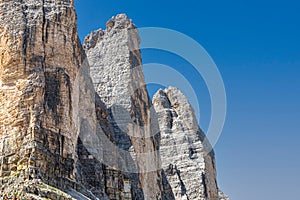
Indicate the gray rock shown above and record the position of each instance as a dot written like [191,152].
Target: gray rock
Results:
[71,131]
[189,169]
[116,70]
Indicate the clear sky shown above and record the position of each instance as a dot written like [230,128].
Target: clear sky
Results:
[256,46]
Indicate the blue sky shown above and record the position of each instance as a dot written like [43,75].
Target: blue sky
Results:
[256,46]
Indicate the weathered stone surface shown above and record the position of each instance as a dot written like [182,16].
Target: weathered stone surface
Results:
[40,62]
[115,61]
[222,196]
[189,168]
[61,140]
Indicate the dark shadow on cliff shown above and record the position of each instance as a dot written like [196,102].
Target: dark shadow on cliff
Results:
[167,189]
[109,158]
[123,143]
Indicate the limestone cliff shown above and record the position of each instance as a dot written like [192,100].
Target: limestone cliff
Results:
[189,168]
[40,63]
[188,171]
[77,123]
[116,70]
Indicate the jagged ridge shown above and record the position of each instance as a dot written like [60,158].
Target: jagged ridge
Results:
[51,117]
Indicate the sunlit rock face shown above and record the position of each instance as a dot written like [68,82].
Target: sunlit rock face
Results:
[77,123]
[181,167]
[40,60]
[189,168]
[116,70]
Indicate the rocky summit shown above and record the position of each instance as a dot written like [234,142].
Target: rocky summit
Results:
[76,121]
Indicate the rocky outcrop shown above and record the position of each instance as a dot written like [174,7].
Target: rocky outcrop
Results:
[223,196]
[171,130]
[71,131]
[115,62]
[41,60]
[189,168]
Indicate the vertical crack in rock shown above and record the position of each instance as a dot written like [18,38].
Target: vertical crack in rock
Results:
[44,34]
[26,35]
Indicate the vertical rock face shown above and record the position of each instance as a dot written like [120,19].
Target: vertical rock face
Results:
[115,61]
[189,171]
[61,140]
[40,56]
[189,168]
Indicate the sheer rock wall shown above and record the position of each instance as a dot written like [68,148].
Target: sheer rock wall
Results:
[189,168]
[78,124]
[40,62]
[115,62]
